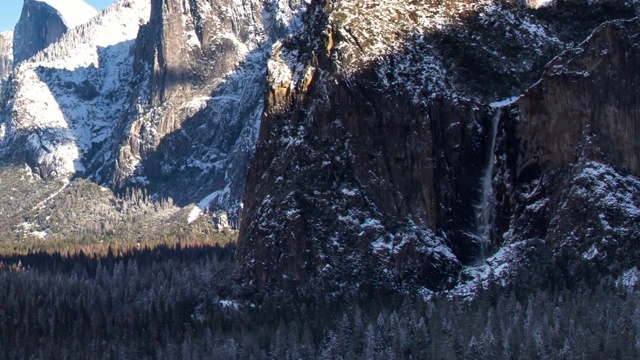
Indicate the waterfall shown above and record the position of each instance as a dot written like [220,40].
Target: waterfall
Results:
[485,209]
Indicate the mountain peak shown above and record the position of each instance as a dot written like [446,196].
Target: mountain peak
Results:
[72,12]
[43,22]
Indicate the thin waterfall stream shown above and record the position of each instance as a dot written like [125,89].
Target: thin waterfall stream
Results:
[485,209]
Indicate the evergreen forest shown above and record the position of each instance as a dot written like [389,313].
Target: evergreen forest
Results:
[190,302]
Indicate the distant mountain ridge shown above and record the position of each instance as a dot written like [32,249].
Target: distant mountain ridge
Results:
[43,22]
[72,12]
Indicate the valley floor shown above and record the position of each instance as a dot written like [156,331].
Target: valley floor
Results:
[175,302]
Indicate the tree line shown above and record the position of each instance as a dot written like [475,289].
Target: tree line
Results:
[175,302]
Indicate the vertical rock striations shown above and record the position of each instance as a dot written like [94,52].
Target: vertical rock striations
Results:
[6,54]
[200,98]
[165,95]
[586,105]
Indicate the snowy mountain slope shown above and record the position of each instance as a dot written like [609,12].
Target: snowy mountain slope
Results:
[72,12]
[172,105]
[194,127]
[66,98]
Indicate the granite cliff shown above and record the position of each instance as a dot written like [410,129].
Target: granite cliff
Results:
[200,98]
[569,151]
[388,154]
[154,95]
[6,54]
[43,22]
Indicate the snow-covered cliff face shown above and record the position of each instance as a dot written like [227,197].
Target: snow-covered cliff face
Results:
[375,150]
[43,22]
[573,177]
[6,54]
[165,95]
[200,97]
[63,102]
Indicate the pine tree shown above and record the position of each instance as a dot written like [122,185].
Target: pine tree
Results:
[420,339]
[370,343]
[330,348]
[565,353]
[279,343]
[307,348]
[473,350]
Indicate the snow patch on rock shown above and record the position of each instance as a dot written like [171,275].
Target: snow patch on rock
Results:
[218,196]
[499,268]
[629,279]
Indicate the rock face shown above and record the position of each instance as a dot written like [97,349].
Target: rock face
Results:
[573,168]
[586,103]
[6,54]
[377,135]
[63,103]
[165,95]
[43,22]
[385,153]
[201,98]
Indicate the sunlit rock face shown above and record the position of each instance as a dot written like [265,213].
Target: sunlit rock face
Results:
[164,95]
[6,53]
[200,99]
